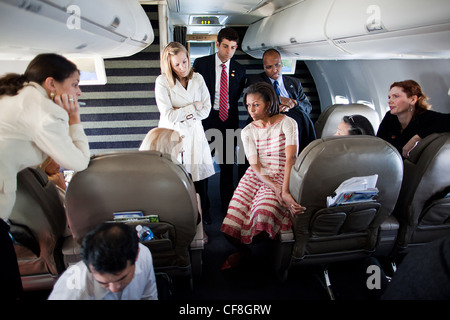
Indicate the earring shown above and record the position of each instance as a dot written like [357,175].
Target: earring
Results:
[52,95]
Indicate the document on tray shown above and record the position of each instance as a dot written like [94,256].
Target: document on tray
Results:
[354,190]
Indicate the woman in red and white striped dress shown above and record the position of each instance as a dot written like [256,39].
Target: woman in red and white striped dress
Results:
[261,201]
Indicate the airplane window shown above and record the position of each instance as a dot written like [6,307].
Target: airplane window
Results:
[289,66]
[367,103]
[92,69]
[341,100]
[200,49]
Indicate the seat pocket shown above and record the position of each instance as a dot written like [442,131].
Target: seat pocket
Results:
[351,218]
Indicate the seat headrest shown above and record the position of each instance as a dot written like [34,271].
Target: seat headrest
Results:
[427,171]
[433,141]
[328,120]
[146,181]
[40,175]
[38,214]
[325,163]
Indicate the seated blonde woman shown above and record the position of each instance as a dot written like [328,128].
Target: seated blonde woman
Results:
[170,142]
[165,141]
[54,174]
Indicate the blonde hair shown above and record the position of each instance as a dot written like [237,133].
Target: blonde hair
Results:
[46,163]
[172,49]
[163,140]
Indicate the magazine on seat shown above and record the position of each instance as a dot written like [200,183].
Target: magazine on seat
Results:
[354,190]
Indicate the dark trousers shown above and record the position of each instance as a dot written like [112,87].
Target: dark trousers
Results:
[228,133]
[10,282]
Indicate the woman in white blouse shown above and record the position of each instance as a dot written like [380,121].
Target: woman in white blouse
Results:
[183,101]
[39,116]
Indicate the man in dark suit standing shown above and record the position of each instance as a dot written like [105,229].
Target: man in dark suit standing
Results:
[225,79]
[293,101]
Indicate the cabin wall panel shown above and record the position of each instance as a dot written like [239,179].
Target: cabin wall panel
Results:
[370,80]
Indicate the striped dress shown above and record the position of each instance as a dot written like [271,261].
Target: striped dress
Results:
[254,207]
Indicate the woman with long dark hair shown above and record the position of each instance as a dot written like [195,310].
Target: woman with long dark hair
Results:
[39,117]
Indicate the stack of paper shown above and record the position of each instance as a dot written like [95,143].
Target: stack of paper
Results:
[353,190]
[128,216]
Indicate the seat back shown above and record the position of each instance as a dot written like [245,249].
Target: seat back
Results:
[423,210]
[328,120]
[336,233]
[138,181]
[38,223]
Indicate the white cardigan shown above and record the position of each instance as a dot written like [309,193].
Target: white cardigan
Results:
[177,111]
[32,127]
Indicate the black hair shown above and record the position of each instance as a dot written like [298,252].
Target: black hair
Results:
[269,51]
[40,68]
[359,125]
[268,94]
[109,247]
[229,34]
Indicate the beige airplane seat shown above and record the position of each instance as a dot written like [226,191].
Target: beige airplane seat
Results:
[326,124]
[322,234]
[423,209]
[142,181]
[38,222]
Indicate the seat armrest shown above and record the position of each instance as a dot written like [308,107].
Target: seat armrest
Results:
[286,236]
[391,223]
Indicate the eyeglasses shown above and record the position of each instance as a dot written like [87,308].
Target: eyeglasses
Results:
[276,66]
[351,118]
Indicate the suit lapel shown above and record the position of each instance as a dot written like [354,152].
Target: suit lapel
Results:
[289,86]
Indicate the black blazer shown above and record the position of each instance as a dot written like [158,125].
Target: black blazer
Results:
[422,124]
[293,87]
[206,66]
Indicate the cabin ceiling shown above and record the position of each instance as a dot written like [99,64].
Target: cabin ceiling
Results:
[230,12]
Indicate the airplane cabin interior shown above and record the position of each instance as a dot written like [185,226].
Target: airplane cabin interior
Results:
[346,54]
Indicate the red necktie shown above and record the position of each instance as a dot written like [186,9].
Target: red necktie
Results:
[223,106]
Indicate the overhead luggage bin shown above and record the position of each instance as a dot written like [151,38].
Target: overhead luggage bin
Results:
[335,29]
[109,28]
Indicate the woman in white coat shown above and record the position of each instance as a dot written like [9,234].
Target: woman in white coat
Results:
[39,117]
[183,101]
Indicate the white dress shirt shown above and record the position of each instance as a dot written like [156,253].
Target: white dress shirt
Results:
[77,283]
[283,91]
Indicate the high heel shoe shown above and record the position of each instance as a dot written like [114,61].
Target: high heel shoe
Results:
[232,261]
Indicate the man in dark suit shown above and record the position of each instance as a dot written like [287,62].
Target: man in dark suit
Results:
[293,101]
[224,121]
